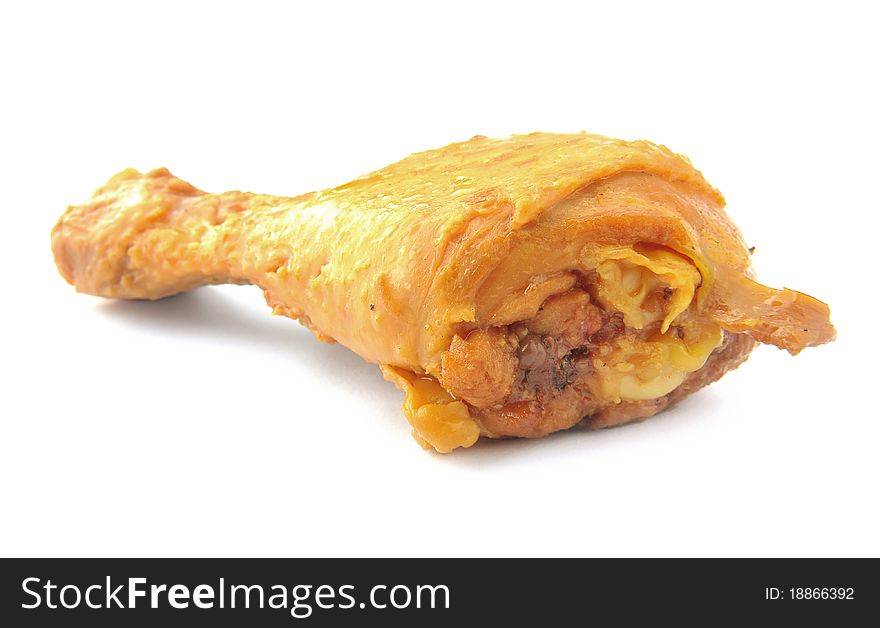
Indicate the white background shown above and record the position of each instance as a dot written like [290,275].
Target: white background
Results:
[202,425]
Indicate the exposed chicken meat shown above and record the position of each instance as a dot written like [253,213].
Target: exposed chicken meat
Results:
[569,317]
[551,390]
[538,376]
[480,368]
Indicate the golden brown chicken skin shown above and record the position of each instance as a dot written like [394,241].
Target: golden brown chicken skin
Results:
[510,287]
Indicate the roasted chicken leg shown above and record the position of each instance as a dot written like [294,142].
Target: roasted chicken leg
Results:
[510,287]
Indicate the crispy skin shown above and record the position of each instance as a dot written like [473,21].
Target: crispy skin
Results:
[405,264]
